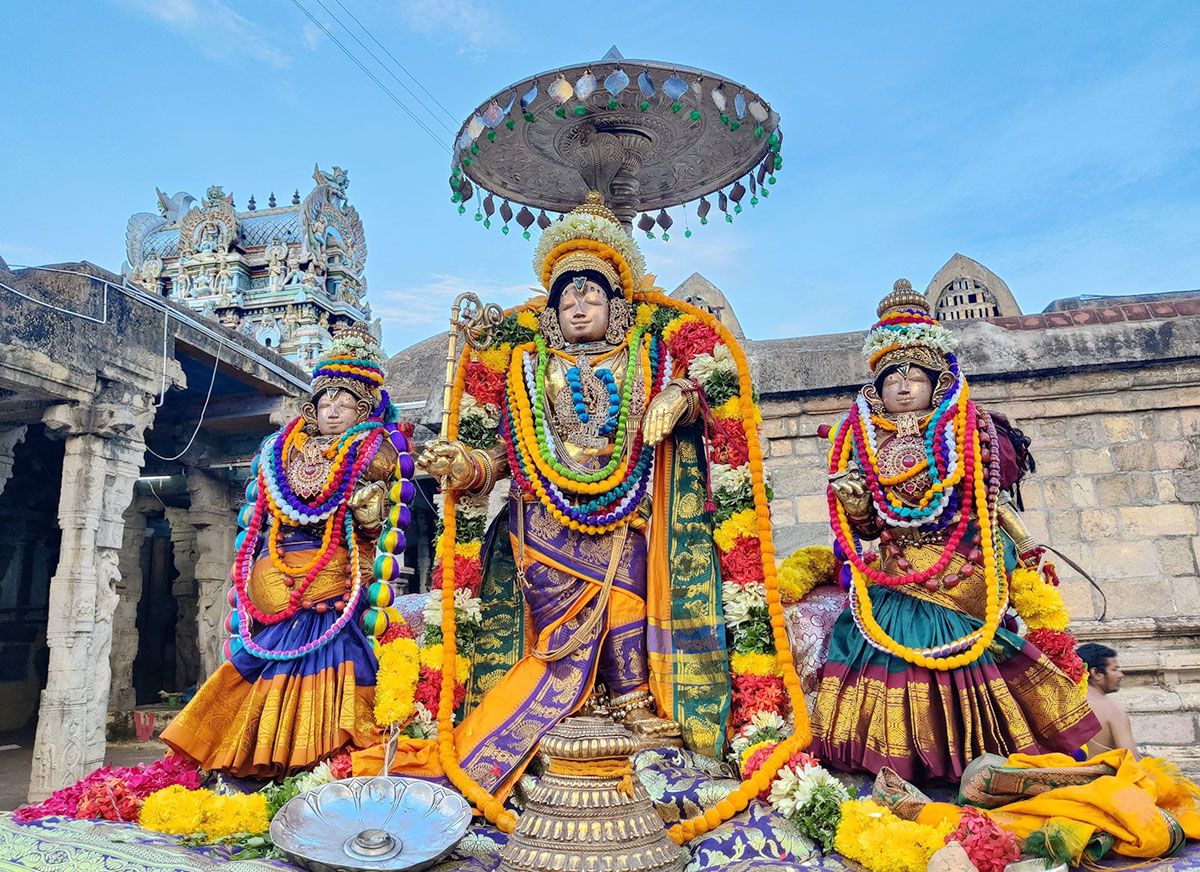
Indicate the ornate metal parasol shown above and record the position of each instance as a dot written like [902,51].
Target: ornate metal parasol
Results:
[647,135]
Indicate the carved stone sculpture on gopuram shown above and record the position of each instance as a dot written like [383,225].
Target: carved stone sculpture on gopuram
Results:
[290,275]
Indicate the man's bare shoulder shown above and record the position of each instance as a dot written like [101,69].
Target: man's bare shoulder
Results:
[1105,708]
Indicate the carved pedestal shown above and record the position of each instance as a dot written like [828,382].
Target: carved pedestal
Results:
[589,813]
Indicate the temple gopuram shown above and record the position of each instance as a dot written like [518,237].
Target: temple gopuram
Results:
[287,276]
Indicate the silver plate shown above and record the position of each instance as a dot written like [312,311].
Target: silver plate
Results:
[373,823]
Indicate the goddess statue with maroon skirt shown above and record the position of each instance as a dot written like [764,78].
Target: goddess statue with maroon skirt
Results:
[924,672]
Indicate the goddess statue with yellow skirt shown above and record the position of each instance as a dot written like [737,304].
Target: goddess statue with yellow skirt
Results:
[608,406]
[322,536]
[922,674]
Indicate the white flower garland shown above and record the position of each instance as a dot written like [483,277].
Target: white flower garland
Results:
[581,225]
[930,335]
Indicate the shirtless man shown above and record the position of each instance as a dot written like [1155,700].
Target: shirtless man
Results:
[1104,677]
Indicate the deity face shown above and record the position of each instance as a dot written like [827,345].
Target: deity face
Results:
[337,412]
[907,388]
[583,312]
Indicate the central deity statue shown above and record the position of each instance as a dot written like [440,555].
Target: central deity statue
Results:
[612,409]
[578,512]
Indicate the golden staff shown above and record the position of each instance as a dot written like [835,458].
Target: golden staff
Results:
[476,322]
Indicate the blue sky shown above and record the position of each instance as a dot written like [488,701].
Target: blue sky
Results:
[1056,143]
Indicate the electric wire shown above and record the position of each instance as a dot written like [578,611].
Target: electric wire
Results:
[203,411]
[370,75]
[396,61]
[158,304]
[433,115]
[34,300]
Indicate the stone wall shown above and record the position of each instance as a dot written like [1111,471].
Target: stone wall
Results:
[1114,413]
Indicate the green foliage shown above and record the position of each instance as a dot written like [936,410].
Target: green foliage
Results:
[720,386]
[470,529]
[819,817]
[754,636]
[511,332]
[475,433]
[663,316]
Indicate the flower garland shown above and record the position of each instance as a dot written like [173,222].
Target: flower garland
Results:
[1040,605]
[113,793]
[960,484]
[396,681]
[182,812]
[874,837]
[733,441]
[269,495]
[806,569]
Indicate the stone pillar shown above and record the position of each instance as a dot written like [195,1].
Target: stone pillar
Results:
[213,515]
[103,454]
[9,437]
[121,695]
[183,588]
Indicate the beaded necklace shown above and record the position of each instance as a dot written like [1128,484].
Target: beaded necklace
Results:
[615,491]
[959,431]
[967,649]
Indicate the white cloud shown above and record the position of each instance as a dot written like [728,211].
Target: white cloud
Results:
[312,37]
[415,312]
[219,32]
[473,26]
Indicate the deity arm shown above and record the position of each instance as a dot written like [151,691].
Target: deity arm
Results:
[491,465]
[850,488]
[369,499]
[461,468]
[677,403]
[1011,523]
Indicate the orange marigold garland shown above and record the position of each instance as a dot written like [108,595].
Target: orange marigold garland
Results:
[764,679]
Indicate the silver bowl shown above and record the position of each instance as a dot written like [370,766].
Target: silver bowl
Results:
[1037,864]
[369,824]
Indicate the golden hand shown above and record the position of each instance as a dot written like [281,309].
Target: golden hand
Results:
[664,413]
[448,460]
[369,504]
[850,488]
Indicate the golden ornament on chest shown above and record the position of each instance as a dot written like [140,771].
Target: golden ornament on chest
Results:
[308,468]
[588,812]
[576,431]
[898,456]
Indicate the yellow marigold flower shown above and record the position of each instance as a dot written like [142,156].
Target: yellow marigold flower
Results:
[749,752]
[527,319]
[1038,603]
[752,663]
[743,523]
[174,810]
[731,408]
[432,657]
[497,358]
[804,570]
[644,314]
[396,681]
[872,836]
[468,549]
[233,814]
